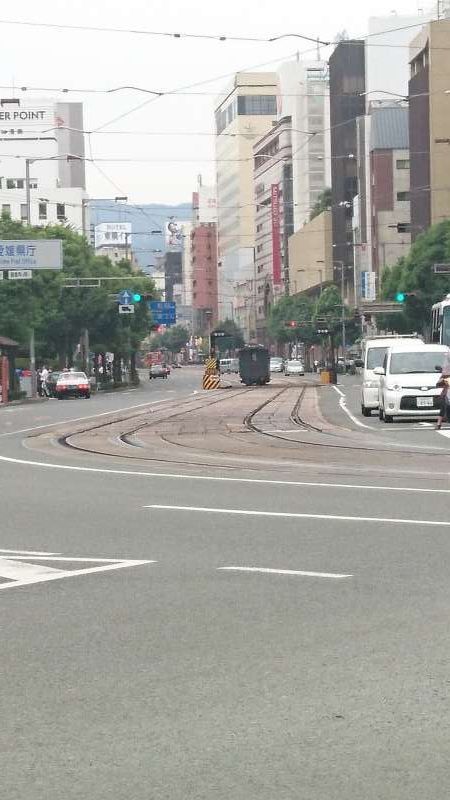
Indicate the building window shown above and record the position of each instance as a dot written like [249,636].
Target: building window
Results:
[42,210]
[6,210]
[402,163]
[23,212]
[257,104]
[20,183]
[403,227]
[10,183]
[403,196]
[259,248]
[60,211]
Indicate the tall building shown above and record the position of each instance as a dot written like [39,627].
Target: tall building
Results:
[304,96]
[49,137]
[429,126]
[203,243]
[274,221]
[347,102]
[243,113]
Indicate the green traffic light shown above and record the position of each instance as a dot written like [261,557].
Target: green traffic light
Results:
[136,297]
[400,297]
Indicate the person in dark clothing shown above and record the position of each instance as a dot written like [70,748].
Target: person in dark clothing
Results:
[444,384]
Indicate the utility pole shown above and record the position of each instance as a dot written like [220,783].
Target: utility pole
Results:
[29,161]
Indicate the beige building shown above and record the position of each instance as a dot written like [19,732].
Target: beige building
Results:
[243,114]
[429,126]
[311,255]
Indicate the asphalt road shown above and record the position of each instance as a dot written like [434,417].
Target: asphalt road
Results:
[298,652]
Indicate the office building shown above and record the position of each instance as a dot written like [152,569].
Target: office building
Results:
[49,136]
[429,126]
[311,256]
[274,221]
[243,113]
[347,102]
[304,96]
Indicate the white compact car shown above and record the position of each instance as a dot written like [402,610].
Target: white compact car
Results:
[374,351]
[408,380]
[294,368]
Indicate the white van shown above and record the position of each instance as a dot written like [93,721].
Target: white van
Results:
[408,380]
[374,350]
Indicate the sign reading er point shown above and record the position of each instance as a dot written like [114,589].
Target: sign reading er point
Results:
[30,254]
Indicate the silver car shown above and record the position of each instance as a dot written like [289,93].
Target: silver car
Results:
[276,364]
[294,368]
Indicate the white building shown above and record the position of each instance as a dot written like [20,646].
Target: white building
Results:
[243,114]
[49,136]
[304,96]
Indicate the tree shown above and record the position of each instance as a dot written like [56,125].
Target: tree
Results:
[175,338]
[233,340]
[58,314]
[414,274]
[323,203]
[295,308]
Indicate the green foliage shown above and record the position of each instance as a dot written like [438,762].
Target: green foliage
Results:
[173,339]
[234,339]
[294,308]
[323,202]
[414,273]
[59,314]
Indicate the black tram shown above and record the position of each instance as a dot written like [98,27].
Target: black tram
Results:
[254,365]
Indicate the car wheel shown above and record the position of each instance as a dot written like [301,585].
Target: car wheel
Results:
[388,418]
[366,412]
[87,396]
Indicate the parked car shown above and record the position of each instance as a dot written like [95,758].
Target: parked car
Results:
[294,367]
[52,380]
[72,384]
[158,371]
[374,352]
[276,364]
[408,380]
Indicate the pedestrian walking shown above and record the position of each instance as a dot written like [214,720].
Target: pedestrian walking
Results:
[444,399]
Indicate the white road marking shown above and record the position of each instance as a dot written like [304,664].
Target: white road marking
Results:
[81,419]
[445,433]
[286,572]
[18,570]
[295,515]
[347,411]
[27,552]
[224,479]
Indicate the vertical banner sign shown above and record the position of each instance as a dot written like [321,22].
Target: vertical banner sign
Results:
[276,238]
[4,379]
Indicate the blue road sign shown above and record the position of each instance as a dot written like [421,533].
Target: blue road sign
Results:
[163,313]
[125,298]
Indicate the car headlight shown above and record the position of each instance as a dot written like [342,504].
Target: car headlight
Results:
[370,384]
[394,388]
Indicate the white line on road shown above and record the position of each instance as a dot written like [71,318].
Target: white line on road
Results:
[292,514]
[81,419]
[56,575]
[286,572]
[220,479]
[347,411]
[18,570]
[26,552]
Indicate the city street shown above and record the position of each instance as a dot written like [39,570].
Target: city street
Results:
[231,601]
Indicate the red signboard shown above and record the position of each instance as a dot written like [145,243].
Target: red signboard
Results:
[276,237]
[4,379]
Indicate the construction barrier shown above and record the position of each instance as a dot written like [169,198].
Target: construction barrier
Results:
[210,381]
[210,366]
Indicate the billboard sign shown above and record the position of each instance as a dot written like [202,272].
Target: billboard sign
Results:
[276,237]
[163,313]
[112,233]
[26,254]
[174,235]
[207,204]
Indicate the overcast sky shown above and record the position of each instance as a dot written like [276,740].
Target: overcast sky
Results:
[52,59]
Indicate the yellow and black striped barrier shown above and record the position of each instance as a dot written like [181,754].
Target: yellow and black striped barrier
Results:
[210,366]
[210,381]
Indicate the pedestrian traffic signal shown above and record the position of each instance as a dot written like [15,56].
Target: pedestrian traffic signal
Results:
[136,297]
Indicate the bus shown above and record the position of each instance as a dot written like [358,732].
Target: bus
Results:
[440,322]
